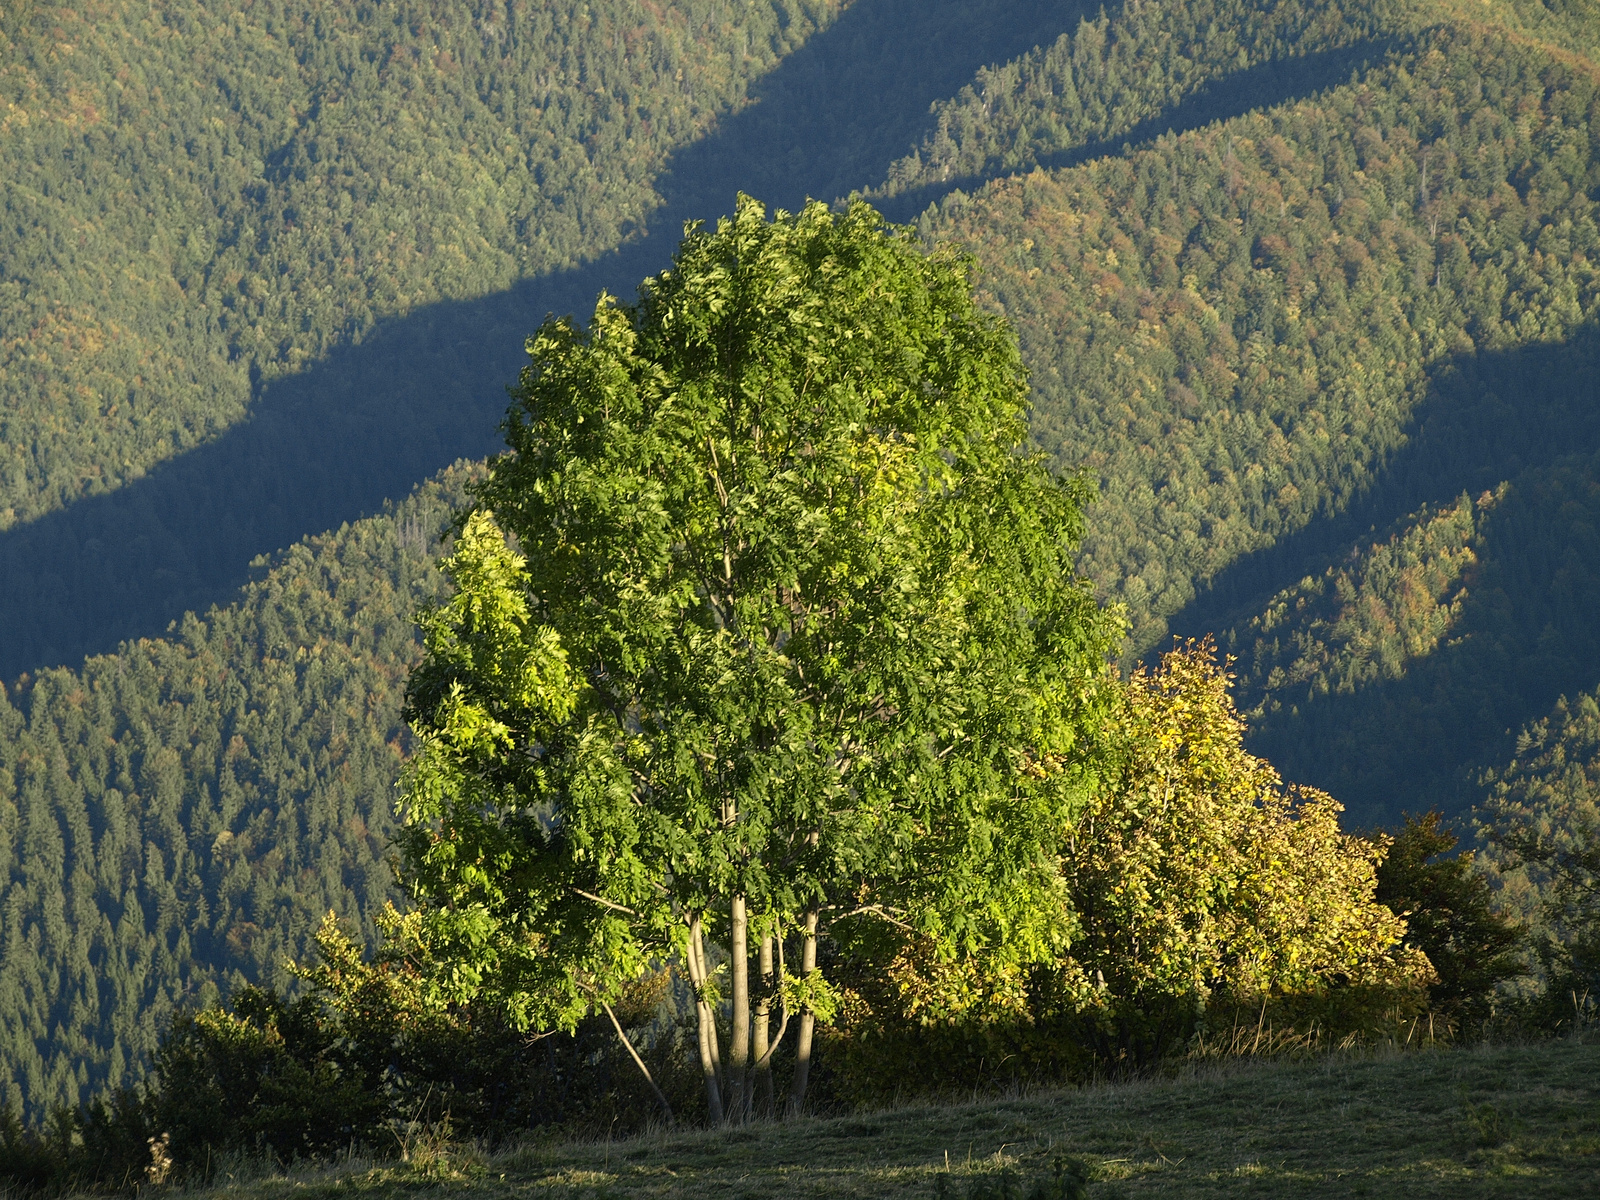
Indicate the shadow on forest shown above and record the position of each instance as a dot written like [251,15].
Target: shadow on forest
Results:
[368,422]
[839,111]
[1527,633]
[1260,86]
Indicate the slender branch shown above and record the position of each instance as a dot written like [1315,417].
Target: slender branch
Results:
[644,1070]
[772,1047]
[601,900]
[875,910]
[716,473]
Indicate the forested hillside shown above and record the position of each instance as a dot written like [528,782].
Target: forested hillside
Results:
[177,818]
[198,196]
[1309,289]
[274,261]
[1550,789]
[1271,335]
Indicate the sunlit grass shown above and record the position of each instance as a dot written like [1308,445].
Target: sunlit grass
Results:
[1491,1121]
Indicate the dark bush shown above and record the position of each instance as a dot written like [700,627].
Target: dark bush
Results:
[267,1076]
[1449,915]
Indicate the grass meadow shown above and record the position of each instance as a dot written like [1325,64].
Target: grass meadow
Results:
[1502,1121]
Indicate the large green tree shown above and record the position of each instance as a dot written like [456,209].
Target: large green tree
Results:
[792,642]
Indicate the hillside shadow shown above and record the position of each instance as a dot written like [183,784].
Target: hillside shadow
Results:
[330,444]
[1527,633]
[837,112]
[1261,86]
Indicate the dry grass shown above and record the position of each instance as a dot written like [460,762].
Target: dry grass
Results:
[1518,1121]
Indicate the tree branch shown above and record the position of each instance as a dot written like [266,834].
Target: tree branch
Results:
[644,1070]
[601,900]
[875,910]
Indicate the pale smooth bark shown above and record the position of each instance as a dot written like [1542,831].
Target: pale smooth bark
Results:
[763,1019]
[738,1075]
[709,1066]
[808,1020]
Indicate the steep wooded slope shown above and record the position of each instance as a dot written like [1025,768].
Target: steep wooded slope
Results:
[273,262]
[1271,334]
[1234,327]
[176,818]
[199,195]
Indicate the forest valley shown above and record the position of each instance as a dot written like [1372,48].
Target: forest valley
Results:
[877,651]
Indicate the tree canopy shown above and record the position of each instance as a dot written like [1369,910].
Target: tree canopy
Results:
[792,633]
[1353,288]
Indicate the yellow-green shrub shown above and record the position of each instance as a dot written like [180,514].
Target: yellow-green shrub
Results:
[1197,886]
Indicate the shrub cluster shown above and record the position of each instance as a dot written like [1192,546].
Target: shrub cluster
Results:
[359,1064]
[1204,896]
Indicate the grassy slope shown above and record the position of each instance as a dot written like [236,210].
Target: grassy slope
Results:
[1477,1122]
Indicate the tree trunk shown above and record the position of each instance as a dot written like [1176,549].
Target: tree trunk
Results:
[763,1026]
[707,1022]
[808,1020]
[739,1033]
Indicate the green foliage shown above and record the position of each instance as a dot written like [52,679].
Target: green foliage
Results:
[264,1076]
[1570,952]
[108,1145]
[1569,24]
[367,1061]
[437,1064]
[487,702]
[29,1162]
[1450,916]
[796,631]
[1338,305]
[1516,635]
[1199,872]
[371,1055]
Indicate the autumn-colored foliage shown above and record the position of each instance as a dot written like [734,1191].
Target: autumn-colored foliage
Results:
[1200,871]
[1196,886]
